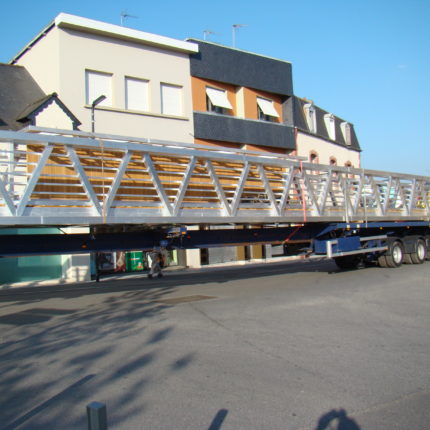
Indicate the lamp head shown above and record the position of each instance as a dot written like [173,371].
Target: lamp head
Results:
[98,100]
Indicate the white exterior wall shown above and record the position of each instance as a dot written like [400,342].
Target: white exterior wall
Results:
[42,62]
[54,117]
[325,150]
[58,62]
[76,267]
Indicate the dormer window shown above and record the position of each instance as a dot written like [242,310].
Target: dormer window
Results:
[346,131]
[217,101]
[330,125]
[311,117]
[266,110]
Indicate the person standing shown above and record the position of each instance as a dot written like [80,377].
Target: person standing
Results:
[156,258]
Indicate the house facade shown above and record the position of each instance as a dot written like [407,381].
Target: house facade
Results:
[323,137]
[144,77]
[23,103]
[244,100]
[126,82]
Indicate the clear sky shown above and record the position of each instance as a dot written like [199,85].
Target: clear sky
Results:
[366,61]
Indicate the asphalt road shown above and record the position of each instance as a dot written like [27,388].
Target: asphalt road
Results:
[298,346]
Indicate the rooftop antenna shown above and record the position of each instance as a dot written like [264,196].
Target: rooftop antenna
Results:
[125,15]
[206,33]
[234,27]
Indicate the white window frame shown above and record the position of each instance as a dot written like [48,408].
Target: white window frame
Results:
[176,109]
[311,117]
[218,97]
[97,84]
[136,94]
[267,107]
[330,125]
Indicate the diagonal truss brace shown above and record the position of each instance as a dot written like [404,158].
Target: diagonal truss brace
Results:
[157,183]
[116,183]
[218,188]
[286,191]
[239,189]
[5,196]
[310,189]
[89,190]
[184,185]
[33,180]
[275,208]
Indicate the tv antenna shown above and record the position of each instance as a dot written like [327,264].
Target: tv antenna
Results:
[206,33]
[125,15]
[234,27]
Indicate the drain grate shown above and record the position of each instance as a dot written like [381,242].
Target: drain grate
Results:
[185,299]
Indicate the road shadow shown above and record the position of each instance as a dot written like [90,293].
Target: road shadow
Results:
[173,279]
[337,420]
[218,419]
[54,361]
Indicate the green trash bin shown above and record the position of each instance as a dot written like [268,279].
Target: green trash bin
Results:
[134,261]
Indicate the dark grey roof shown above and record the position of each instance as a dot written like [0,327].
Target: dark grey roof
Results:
[17,90]
[21,99]
[301,123]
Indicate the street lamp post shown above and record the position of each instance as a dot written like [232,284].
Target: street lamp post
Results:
[96,102]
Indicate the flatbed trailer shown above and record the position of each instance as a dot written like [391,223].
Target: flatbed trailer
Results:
[139,194]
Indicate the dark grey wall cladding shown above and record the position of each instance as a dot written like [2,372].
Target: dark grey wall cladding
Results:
[299,115]
[240,68]
[230,129]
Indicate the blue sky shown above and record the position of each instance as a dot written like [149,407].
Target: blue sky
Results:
[367,61]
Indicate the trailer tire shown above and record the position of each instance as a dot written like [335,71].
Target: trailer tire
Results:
[382,261]
[420,252]
[395,254]
[348,262]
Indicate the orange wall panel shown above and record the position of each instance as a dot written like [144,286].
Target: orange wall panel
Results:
[250,96]
[199,85]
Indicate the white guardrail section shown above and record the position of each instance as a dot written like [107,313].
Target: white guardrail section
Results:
[52,177]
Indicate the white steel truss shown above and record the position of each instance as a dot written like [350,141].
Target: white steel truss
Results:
[52,177]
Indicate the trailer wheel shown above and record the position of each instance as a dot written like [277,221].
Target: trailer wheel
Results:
[348,262]
[382,261]
[420,252]
[394,254]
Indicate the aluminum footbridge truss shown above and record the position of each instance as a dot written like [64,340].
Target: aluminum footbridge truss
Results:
[52,177]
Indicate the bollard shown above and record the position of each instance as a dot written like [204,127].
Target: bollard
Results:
[97,417]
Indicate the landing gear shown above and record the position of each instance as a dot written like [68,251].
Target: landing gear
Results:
[349,262]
